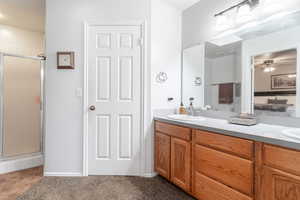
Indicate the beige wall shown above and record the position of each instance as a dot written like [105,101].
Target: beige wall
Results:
[21,95]
[19,41]
[262,83]
[262,80]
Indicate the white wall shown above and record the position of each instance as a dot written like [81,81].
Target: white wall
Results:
[165,57]
[165,53]
[65,32]
[223,69]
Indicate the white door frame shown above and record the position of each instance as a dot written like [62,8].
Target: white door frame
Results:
[142,25]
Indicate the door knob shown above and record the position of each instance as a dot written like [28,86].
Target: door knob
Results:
[92,108]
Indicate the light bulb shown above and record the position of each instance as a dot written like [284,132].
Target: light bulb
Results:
[223,23]
[292,76]
[244,13]
[244,9]
[271,6]
[269,69]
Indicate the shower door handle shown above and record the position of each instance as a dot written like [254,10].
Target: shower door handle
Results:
[92,108]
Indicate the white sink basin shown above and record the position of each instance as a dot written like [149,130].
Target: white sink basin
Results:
[292,133]
[186,118]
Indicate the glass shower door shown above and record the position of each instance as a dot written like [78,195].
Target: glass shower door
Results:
[21,106]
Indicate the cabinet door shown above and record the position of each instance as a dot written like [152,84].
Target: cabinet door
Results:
[278,185]
[181,163]
[162,154]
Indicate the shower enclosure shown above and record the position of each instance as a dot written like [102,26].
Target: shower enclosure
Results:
[21,107]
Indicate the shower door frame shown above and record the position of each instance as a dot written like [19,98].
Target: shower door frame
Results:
[42,104]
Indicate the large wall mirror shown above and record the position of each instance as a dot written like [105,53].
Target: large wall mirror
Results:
[254,71]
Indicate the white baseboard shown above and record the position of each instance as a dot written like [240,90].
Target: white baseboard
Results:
[20,164]
[74,174]
[150,175]
[114,173]
[63,174]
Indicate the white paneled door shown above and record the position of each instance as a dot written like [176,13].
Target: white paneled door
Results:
[114,100]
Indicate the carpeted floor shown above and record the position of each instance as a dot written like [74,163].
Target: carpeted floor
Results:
[104,188]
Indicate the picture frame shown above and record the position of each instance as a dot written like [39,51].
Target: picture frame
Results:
[284,81]
[66,60]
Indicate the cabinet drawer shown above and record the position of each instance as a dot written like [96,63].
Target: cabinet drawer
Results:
[281,158]
[173,130]
[209,189]
[240,147]
[230,170]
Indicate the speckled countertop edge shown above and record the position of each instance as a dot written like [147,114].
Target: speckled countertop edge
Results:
[270,134]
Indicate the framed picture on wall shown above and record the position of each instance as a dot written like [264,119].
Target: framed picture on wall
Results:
[65,60]
[283,82]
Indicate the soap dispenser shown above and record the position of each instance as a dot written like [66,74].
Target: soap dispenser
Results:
[182,110]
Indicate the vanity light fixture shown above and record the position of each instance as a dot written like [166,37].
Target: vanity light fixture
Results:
[251,13]
[254,23]
[242,14]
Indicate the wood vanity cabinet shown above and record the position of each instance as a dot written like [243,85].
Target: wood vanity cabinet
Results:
[173,154]
[213,166]
[279,173]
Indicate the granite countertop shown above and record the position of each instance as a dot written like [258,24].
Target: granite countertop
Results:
[271,134]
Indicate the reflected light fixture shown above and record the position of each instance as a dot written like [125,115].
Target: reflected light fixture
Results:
[292,76]
[269,69]
[268,66]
